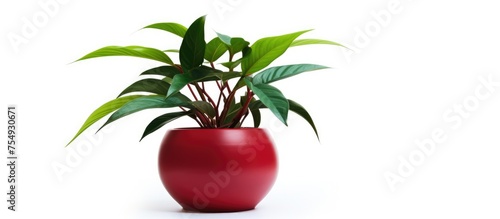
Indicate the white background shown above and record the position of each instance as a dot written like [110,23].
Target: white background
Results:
[369,108]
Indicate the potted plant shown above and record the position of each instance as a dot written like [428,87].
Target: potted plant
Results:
[219,166]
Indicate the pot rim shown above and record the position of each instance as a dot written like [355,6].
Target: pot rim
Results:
[215,129]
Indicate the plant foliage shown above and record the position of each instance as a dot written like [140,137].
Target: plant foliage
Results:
[197,70]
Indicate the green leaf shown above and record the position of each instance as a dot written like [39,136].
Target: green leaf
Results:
[266,50]
[202,73]
[162,120]
[232,65]
[168,80]
[234,45]
[148,102]
[232,112]
[281,72]
[237,45]
[215,49]
[254,109]
[301,111]
[294,107]
[224,76]
[167,71]
[174,28]
[246,51]
[134,51]
[256,117]
[272,98]
[150,85]
[102,111]
[204,107]
[193,45]
[224,38]
[171,50]
[303,42]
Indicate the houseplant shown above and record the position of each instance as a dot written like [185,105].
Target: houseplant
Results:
[219,166]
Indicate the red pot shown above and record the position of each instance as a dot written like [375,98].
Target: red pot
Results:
[218,170]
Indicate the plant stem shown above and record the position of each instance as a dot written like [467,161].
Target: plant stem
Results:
[219,99]
[204,93]
[228,101]
[222,90]
[227,86]
[189,86]
[204,119]
[200,91]
[243,110]
[195,118]
[192,93]
[231,56]
[244,117]
[201,119]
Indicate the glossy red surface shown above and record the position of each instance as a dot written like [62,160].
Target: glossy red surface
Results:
[218,170]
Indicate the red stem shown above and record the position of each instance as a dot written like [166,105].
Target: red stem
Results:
[244,109]
[204,120]
[221,89]
[227,86]
[195,118]
[244,117]
[191,89]
[209,98]
[226,107]
[200,92]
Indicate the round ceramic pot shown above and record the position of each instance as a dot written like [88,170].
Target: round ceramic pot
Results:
[217,170]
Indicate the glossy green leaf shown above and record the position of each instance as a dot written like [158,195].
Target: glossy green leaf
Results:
[294,107]
[174,28]
[237,45]
[272,98]
[246,52]
[254,109]
[215,49]
[134,51]
[256,117]
[167,71]
[266,50]
[199,74]
[204,107]
[281,72]
[234,45]
[148,102]
[301,111]
[168,80]
[224,76]
[104,110]
[171,50]
[232,112]
[149,85]
[205,70]
[162,120]
[193,45]
[180,81]
[303,42]
[231,65]
[224,38]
